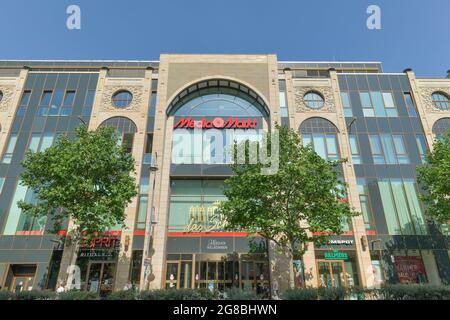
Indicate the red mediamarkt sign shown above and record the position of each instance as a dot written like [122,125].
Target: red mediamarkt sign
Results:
[216,123]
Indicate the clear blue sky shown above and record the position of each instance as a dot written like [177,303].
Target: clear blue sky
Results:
[415,33]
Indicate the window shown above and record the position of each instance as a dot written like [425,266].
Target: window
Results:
[2,182]
[313,100]
[24,101]
[366,209]
[148,149]
[401,206]
[441,127]
[56,103]
[325,145]
[68,103]
[44,102]
[378,104]
[441,101]
[7,157]
[143,203]
[387,149]
[422,145]
[391,110]
[346,104]
[283,99]
[125,129]
[410,107]
[122,99]
[354,147]
[366,104]
[88,103]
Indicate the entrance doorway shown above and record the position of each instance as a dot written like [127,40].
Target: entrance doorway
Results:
[100,277]
[20,278]
[332,273]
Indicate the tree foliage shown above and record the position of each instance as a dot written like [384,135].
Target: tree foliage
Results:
[434,178]
[86,179]
[304,196]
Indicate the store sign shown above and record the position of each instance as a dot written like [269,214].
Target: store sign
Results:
[340,242]
[102,243]
[214,244]
[410,269]
[207,219]
[336,255]
[216,123]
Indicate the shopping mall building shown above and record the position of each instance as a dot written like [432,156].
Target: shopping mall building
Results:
[383,123]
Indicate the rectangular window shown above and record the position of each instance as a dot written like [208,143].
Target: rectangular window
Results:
[7,157]
[346,104]
[34,142]
[356,158]
[88,103]
[148,149]
[142,212]
[56,103]
[44,102]
[389,104]
[2,182]
[378,104]
[127,141]
[47,141]
[422,145]
[366,104]
[67,105]
[401,206]
[389,149]
[282,99]
[332,152]
[24,101]
[400,150]
[375,146]
[410,104]
[366,210]
[14,211]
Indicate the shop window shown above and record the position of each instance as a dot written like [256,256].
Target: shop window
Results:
[136,266]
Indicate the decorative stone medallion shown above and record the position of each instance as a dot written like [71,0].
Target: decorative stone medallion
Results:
[427,99]
[109,91]
[324,91]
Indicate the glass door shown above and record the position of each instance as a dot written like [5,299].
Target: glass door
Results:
[101,277]
[332,274]
[172,275]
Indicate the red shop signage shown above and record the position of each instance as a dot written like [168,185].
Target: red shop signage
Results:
[216,123]
[102,243]
[409,269]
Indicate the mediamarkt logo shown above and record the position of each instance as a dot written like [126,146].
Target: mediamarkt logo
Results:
[217,123]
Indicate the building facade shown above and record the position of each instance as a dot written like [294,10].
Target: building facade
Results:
[383,123]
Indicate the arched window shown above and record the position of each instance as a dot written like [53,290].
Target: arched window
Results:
[441,127]
[441,100]
[218,98]
[226,110]
[322,135]
[125,127]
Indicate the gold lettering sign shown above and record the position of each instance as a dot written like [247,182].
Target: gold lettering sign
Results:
[201,220]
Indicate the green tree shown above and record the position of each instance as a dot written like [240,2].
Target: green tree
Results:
[304,196]
[434,178]
[86,179]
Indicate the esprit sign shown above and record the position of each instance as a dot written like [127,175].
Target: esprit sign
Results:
[216,123]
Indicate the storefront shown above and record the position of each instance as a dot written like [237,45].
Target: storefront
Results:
[200,252]
[337,263]
[97,261]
